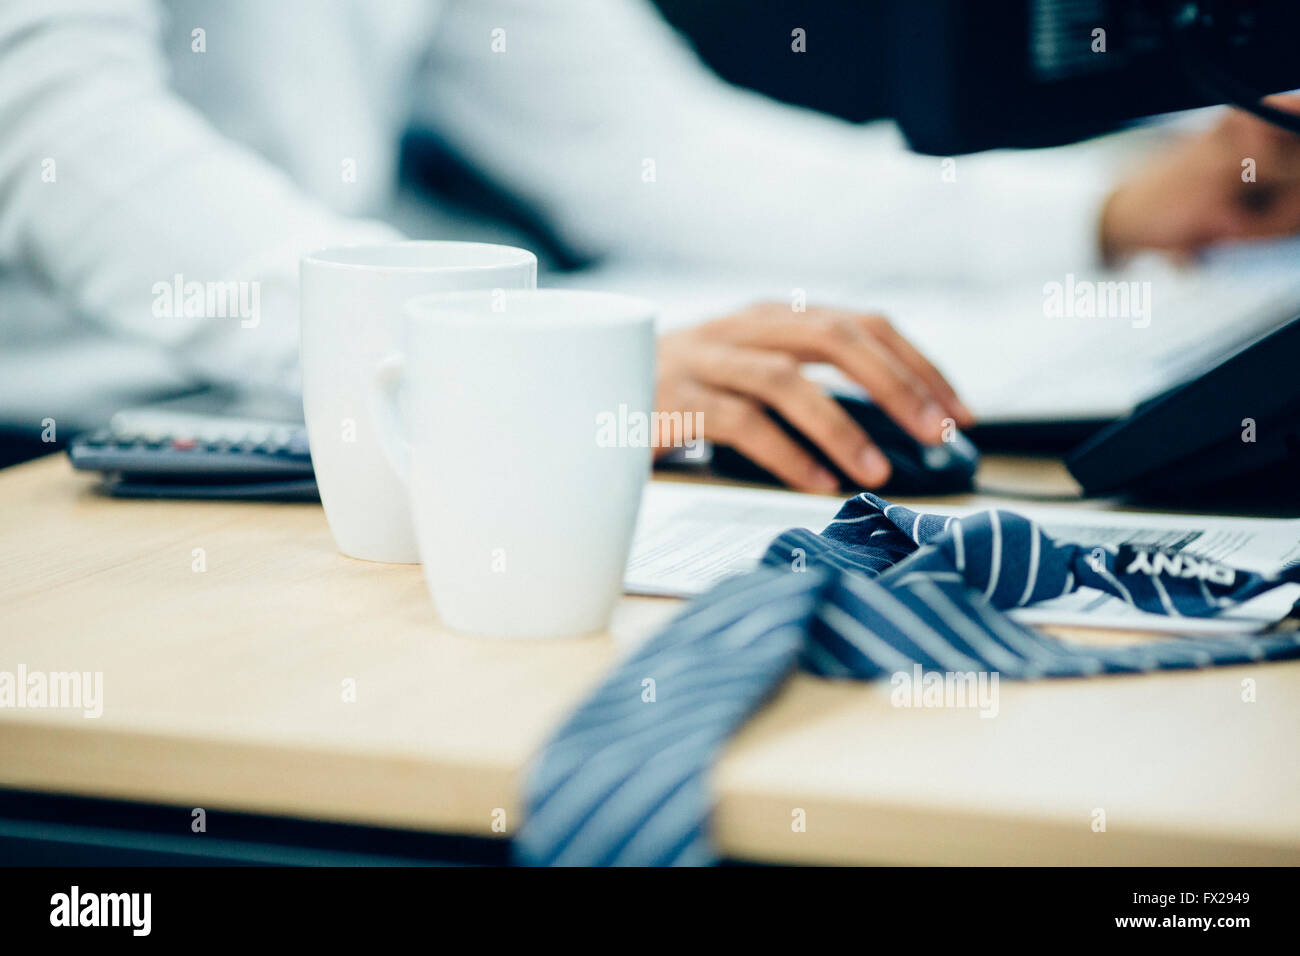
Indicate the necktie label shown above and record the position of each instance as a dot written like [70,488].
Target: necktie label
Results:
[1158,562]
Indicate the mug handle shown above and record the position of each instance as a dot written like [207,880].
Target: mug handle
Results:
[385,413]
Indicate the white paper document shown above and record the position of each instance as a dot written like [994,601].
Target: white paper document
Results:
[691,536]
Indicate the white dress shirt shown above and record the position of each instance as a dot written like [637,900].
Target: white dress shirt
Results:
[221,141]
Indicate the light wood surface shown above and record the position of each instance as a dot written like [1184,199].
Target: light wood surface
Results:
[223,689]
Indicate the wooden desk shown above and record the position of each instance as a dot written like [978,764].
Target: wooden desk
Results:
[222,689]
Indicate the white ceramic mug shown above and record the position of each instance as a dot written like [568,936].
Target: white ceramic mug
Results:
[502,411]
[351,311]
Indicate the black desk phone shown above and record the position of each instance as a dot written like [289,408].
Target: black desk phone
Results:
[1232,428]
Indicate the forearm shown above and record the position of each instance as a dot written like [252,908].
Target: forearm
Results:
[597,113]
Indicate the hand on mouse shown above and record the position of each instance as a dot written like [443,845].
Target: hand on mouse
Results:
[1204,191]
[733,369]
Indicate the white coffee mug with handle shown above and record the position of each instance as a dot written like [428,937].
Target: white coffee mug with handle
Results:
[521,423]
[351,311]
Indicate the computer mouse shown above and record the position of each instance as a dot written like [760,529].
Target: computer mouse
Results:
[917,469]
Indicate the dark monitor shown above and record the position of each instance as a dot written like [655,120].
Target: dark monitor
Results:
[969,75]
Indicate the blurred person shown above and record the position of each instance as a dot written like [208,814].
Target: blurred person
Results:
[150,140]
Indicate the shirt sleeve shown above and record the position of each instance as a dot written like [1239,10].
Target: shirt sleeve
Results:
[597,112]
[112,187]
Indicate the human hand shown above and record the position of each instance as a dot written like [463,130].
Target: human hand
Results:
[733,369]
[1204,191]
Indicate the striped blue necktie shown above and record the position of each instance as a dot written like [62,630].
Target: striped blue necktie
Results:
[882,590]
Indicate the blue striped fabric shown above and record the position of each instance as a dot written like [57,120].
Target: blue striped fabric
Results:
[882,590]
